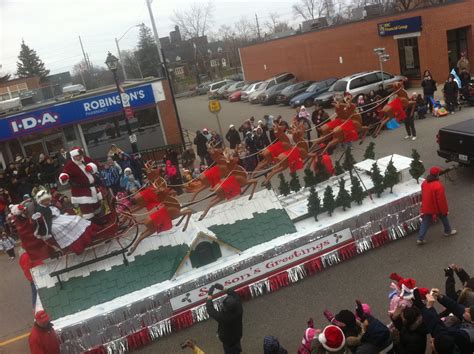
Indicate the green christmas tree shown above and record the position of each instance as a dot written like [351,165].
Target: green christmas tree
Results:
[328,200]
[357,193]
[147,53]
[416,166]
[309,178]
[295,184]
[349,161]
[391,176]
[377,180]
[343,198]
[370,151]
[338,170]
[323,173]
[314,203]
[284,187]
[29,64]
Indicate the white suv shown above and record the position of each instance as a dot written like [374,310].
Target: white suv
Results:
[217,85]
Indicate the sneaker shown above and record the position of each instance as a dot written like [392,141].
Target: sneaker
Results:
[414,138]
[408,137]
[420,242]
[452,233]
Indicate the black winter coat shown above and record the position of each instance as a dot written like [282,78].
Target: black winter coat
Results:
[201,144]
[412,338]
[233,137]
[429,87]
[229,321]
[450,89]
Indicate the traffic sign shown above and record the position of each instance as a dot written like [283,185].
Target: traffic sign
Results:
[128,112]
[214,106]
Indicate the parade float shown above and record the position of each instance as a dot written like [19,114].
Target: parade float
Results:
[140,284]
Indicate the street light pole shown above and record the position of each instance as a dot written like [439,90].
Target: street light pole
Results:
[112,64]
[121,60]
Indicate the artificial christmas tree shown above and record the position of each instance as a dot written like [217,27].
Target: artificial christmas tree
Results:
[349,161]
[314,203]
[369,152]
[391,176]
[357,193]
[284,187]
[338,170]
[328,200]
[377,180]
[309,178]
[343,198]
[295,184]
[416,166]
[323,174]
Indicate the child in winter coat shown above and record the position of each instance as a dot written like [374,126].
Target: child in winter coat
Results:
[8,245]
[451,93]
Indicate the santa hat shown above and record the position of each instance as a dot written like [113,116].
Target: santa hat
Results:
[405,285]
[41,317]
[435,171]
[41,195]
[332,338]
[75,151]
[17,209]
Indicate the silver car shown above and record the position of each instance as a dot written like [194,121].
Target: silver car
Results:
[361,83]
[249,90]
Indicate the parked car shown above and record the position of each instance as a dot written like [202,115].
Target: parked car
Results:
[306,98]
[253,97]
[219,94]
[236,95]
[234,87]
[216,86]
[203,88]
[279,78]
[249,90]
[456,142]
[361,83]
[269,96]
[291,91]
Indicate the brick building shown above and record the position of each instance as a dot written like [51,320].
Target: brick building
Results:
[430,38]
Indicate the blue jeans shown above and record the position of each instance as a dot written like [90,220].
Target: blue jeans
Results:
[425,223]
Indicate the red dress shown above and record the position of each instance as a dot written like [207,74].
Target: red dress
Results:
[37,249]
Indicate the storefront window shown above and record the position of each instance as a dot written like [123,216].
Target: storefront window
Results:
[457,43]
[409,57]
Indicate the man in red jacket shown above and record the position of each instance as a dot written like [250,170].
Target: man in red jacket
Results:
[433,205]
[43,338]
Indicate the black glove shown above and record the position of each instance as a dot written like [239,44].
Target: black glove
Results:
[219,286]
[211,290]
[360,311]
[448,272]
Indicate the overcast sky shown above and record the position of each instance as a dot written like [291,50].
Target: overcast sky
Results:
[52,27]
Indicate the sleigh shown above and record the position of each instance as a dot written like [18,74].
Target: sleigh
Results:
[117,231]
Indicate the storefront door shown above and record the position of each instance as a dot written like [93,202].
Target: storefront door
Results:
[409,57]
[457,43]
[49,145]
[34,149]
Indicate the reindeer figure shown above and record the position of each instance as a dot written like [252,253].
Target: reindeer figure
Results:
[347,126]
[270,154]
[231,187]
[212,176]
[293,158]
[160,219]
[152,172]
[395,108]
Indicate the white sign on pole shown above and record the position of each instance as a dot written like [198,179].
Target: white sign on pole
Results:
[270,265]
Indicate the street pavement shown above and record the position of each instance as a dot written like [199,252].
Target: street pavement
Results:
[285,312]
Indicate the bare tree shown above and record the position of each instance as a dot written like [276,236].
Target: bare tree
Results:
[194,22]
[309,9]
[275,25]
[245,29]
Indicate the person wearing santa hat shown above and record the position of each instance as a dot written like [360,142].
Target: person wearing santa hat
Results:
[43,338]
[80,173]
[330,340]
[433,205]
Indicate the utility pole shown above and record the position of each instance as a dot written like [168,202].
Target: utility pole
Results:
[122,64]
[155,32]
[258,26]
[84,54]
[89,61]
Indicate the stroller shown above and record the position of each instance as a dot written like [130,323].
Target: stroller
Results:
[466,94]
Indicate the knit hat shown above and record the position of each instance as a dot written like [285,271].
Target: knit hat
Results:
[127,170]
[41,318]
[332,338]
[435,171]
[41,195]
[346,317]
[271,345]
[75,151]
[231,126]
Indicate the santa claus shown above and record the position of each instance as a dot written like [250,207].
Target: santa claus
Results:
[79,172]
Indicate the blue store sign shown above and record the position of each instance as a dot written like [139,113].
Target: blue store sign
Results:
[407,25]
[73,112]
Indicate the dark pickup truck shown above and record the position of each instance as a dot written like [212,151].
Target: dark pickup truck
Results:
[456,142]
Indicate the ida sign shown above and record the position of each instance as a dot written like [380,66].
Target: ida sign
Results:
[289,258]
[34,122]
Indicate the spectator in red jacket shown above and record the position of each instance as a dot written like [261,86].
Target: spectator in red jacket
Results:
[26,264]
[433,205]
[43,338]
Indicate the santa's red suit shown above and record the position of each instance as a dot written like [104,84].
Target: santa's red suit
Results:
[84,190]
